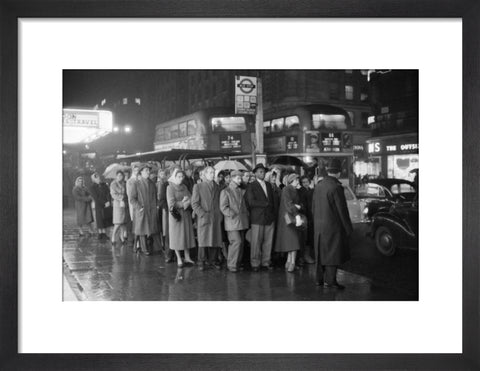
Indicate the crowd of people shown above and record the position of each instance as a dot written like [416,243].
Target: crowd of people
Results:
[237,220]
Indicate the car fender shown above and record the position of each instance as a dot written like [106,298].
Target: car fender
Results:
[397,226]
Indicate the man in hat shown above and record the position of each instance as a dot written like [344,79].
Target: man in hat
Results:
[188,180]
[332,227]
[234,209]
[206,205]
[261,204]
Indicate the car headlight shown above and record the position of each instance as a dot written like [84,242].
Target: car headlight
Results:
[365,211]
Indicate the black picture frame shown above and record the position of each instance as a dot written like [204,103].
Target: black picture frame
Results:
[12,10]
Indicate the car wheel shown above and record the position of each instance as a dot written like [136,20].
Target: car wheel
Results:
[385,241]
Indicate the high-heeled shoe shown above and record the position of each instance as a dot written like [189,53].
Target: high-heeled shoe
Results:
[291,268]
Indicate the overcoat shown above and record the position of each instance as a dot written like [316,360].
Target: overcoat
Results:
[261,205]
[287,236]
[119,195]
[144,205]
[234,208]
[332,224]
[101,195]
[306,199]
[83,205]
[206,205]
[180,232]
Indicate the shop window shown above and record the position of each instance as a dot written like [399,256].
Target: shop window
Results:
[277,125]
[222,124]
[292,122]
[349,92]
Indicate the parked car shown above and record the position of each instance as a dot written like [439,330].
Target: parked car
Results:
[381,194]
[355,206]
[397,227]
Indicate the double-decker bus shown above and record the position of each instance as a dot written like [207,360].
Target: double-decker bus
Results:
[315,133]
[215,129]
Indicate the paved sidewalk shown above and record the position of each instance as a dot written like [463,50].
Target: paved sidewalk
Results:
[102,271]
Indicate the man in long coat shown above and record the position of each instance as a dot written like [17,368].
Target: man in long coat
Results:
[145,215]
[234,208]
[261,204]
[332,227]
[206,205]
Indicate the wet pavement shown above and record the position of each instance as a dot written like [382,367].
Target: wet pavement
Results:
[98,270]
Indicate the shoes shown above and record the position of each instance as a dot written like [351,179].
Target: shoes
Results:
[180,265]
[255,269]
[335,286]
[233,270]
[291,268]
[169,260]
[267,267]
[308,259]
[319,283]
[189,263]
[147,253]
[217,266]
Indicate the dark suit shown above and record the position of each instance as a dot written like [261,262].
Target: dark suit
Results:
[332,227]
[262,218]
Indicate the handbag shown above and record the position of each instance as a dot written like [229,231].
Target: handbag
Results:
[175,213]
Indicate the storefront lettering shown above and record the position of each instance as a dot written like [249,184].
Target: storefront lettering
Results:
[391,148]
[374,147]
[408,147]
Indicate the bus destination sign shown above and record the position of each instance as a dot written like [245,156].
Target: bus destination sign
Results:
[230,141]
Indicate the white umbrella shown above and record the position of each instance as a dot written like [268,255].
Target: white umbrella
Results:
[111,170]
[229,165]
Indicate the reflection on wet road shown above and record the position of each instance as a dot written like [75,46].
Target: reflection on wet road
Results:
[101,271]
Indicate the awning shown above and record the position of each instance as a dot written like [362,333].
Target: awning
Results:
[179,155]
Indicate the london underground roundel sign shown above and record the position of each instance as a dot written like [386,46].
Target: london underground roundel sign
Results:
[246,86]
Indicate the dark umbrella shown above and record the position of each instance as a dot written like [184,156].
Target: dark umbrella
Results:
[289,160]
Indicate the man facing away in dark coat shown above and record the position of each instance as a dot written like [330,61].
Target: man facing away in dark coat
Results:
[261,203]
[332,227]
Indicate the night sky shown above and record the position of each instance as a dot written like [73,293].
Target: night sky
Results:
[86,88]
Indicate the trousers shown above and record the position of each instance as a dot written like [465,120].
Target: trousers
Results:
[210,256]
[235,248]
[261,244]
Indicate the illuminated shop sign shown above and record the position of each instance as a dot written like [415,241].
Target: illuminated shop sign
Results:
[388,147]
[292,142]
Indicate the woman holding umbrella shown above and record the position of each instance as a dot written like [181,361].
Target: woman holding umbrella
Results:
[118,192]
[83,205]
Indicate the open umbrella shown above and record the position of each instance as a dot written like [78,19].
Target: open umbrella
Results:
[229,165]
[288,160]
[111,170]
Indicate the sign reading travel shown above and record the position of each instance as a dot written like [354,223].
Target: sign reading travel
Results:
[85,126]
[245,95]
[230,141]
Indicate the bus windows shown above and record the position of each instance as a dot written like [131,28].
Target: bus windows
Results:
[292,122]
[277,125]
[266,127]
[173,131]
[322,121]
[230,124]
[182,128]
[160,134]
[191,128]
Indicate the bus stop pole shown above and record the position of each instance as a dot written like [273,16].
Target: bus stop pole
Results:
[259,118]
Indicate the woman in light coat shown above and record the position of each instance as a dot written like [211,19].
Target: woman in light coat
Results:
[83,205]
[180,231]
[120,206]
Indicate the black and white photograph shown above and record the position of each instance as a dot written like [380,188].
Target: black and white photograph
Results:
[240,185]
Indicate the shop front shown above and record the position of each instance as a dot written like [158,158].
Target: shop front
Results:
[393,156]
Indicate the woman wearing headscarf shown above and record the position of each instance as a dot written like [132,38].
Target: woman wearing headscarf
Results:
[180,218]
[103,205]
[288,236]
[83,205]
[118,191]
